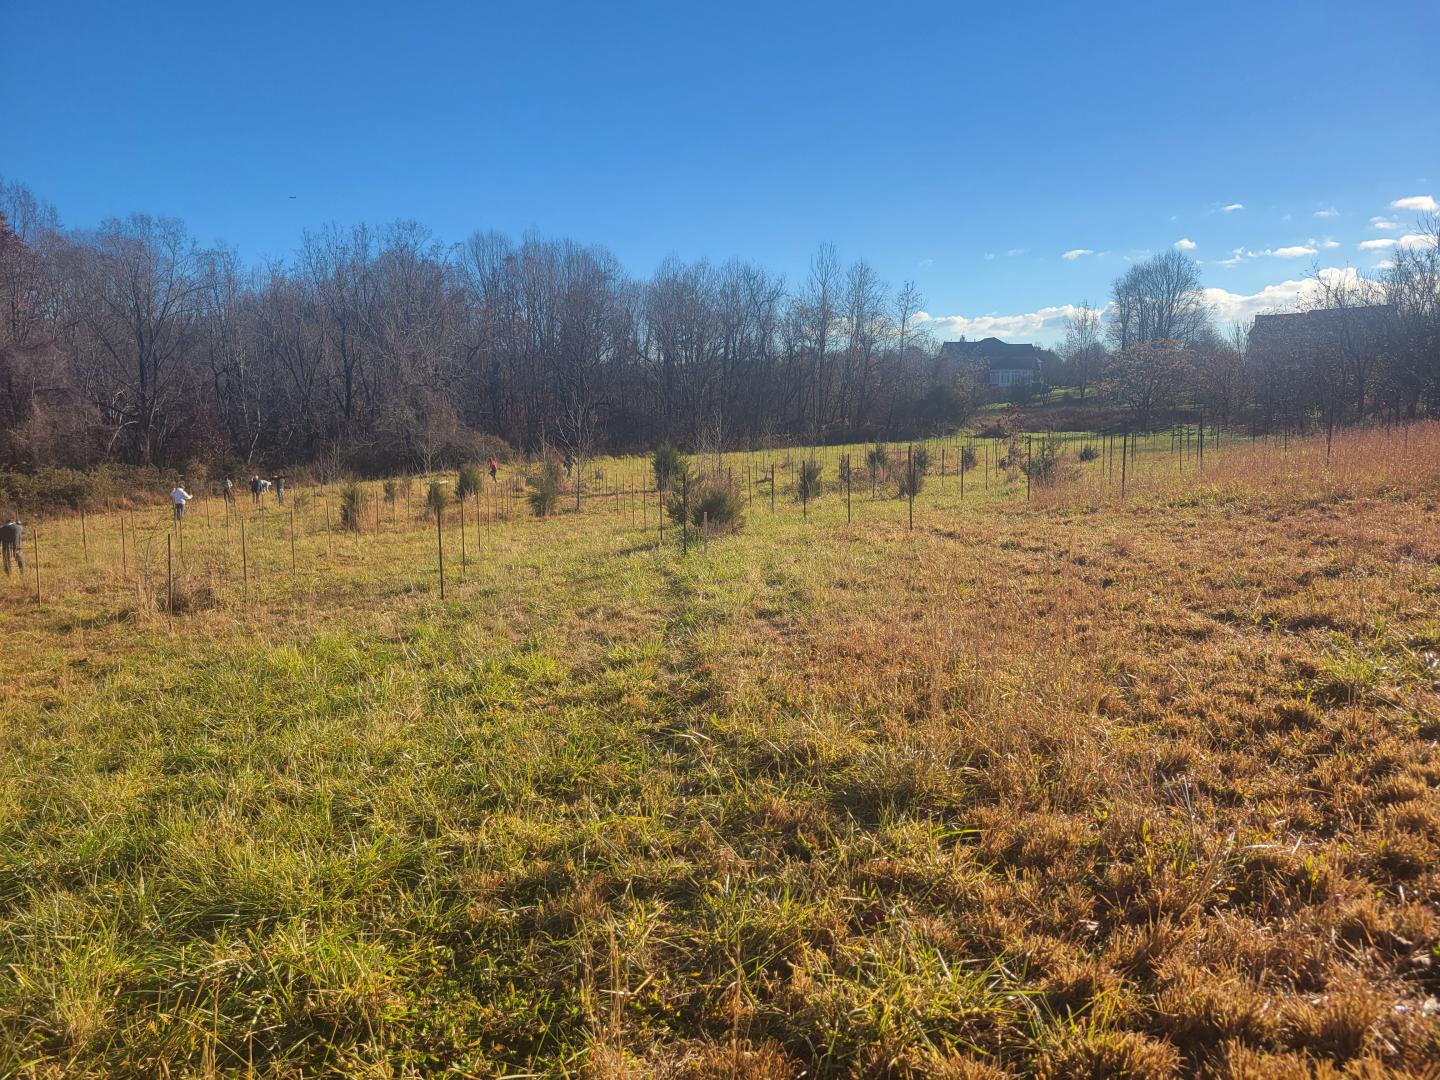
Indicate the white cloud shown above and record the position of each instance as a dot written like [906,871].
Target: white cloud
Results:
[1232,207]
[1075,253]
[1285,296]
[1383,223]
[1385,264]
[1185,244]
[1295,251]
[989,255]
[1048,323]
[1016,251]
[1417,240]
[1377,245]
[925,264]
[1330,243]
[1416,202]
[1329,211]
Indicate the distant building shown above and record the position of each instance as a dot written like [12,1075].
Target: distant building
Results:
[995,362]
[1340,330]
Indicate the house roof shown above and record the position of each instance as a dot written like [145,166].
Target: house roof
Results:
[995,354]
[1310,327]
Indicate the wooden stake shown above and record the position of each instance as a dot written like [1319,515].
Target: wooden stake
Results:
[84,540]
[440,547]
[169,577]
[292,536]
[244,564]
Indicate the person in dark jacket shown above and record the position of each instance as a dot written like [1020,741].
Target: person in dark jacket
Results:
[12,533]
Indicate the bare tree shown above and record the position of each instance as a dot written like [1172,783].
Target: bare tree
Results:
[1084,347]
[1160,299]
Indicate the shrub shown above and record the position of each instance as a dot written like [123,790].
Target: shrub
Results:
[351,500]
[846,471]
[469,482]
[544,484]
[912,473]
[669,465]
[968,458]
[713,500]
[808,485]
[391,489]
[1089,452]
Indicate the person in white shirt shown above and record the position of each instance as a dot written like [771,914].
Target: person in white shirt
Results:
[180,497]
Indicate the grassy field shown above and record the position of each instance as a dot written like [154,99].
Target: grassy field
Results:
[1071,785]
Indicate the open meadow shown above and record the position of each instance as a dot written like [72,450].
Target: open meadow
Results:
[1066,782]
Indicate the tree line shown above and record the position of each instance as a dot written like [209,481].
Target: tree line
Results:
[376,350]
[381,349]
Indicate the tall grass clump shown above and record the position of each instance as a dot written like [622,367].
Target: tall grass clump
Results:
[544,484]
[669,465]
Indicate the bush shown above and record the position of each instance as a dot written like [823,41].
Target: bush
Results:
[391,489]
[968,458]
[351,499]
[669,465]
[912,472]
[808,485]
[1089,452]
[469,482]
[545,483]
[714,501]
[847,473]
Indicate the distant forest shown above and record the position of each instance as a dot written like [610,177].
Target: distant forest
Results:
[376,350]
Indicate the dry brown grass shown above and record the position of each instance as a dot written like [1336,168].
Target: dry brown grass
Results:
[1073,788]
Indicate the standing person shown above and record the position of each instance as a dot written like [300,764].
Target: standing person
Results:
[179,496]
[228,490]
[494,469]
[280,490]
[11,535]
[255,490]
[569,462]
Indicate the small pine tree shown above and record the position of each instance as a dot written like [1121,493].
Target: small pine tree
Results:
[669,465]
[437,498]
[808,485]
[468,483]
[877,460]
[912,473]
[545,483]
[709,500]
[351,500]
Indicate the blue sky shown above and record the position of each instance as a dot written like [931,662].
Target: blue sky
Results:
[965,146]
